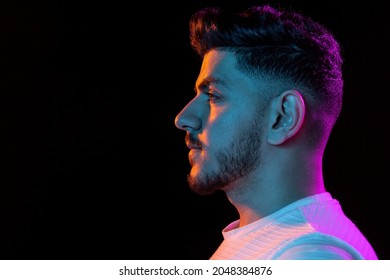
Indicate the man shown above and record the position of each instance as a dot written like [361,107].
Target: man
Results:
[268,94]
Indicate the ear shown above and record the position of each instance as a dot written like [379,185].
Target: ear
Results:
[287,115]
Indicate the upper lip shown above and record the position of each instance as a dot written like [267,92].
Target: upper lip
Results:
[192,142]
[191,145]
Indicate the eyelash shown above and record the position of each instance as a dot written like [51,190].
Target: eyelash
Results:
[212,97]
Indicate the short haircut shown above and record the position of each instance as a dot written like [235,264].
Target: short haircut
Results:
[283,45]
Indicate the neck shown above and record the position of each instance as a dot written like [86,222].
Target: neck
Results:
[274,186]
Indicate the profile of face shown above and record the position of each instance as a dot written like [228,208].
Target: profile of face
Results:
[223,124]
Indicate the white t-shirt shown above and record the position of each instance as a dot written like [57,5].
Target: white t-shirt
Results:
[312,228]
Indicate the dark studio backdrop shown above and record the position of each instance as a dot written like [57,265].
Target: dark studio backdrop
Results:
[91,164]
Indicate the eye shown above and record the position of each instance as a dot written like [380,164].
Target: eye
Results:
[212,97]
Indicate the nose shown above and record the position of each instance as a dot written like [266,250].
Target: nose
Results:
[188,119]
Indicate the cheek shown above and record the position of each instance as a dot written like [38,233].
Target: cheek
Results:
[224,125]
[221,132]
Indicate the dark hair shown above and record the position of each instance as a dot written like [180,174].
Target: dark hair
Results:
[281,44]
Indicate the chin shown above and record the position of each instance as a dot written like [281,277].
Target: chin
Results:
[199,184]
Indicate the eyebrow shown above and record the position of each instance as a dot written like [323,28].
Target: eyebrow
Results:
[205,83]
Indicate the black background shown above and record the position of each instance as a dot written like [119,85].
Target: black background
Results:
[91,164]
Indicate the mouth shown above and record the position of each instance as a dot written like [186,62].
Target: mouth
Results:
[193,156]
[192,146]
[192,143]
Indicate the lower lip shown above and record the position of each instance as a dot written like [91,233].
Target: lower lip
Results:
[193,153]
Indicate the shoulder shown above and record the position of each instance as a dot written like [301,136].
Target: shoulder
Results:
[318,246]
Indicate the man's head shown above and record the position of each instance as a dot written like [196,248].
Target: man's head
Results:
[267,76]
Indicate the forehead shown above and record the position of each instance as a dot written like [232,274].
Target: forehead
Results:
[220,67]
[218,60]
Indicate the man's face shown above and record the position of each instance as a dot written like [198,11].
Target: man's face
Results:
[223,124]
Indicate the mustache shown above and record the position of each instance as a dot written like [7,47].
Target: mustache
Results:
[192,141]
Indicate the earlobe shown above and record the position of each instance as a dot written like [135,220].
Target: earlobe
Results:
[287,116]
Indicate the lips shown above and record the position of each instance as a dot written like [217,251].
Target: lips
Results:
[192,143]
[193,156]
[192,146]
